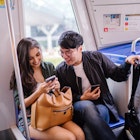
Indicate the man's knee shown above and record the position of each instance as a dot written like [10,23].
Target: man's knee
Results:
[81,105]
[104,112]
[81,108]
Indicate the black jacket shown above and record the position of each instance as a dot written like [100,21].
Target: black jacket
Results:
[97,68]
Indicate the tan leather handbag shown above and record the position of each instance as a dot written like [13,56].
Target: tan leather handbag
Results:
[51,110]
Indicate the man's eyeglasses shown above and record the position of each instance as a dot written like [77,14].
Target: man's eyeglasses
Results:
[68,52]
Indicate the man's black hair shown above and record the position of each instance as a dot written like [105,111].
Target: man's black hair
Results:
[70,40]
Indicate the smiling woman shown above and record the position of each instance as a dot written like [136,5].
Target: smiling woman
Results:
[33,72]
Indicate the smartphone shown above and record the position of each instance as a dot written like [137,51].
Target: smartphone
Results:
[50,78]
[94,86]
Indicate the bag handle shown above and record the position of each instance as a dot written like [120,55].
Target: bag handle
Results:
[56,92]
[64,90]
[135,80]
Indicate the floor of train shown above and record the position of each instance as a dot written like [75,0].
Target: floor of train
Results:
[122,134]
[7,135]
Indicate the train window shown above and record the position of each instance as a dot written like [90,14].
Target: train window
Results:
[45,20]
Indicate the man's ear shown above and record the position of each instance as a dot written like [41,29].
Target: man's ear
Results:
[80,48]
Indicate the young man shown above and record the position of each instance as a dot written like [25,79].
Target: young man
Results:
[82,69]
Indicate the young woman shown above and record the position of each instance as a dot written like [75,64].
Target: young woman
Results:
[33,74]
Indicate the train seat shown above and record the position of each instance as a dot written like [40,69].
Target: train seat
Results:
[118,127]
[117,124]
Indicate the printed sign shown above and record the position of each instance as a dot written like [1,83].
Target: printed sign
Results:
[132,22]
[1,3]
[111,22]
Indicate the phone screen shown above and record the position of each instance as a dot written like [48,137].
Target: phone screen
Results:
[94,86]
[50,78]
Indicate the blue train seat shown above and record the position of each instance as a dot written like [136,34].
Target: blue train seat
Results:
[117,124]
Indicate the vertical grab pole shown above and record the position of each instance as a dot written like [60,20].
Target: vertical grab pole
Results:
[16,66]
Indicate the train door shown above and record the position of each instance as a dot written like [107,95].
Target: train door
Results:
[8,129]
[46,28]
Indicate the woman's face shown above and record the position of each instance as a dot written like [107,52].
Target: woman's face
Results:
[35,57]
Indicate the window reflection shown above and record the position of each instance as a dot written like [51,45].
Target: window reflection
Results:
[45,20]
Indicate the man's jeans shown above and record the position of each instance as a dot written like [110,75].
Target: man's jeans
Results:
[93,119]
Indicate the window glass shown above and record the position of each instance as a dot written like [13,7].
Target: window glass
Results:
[45,20]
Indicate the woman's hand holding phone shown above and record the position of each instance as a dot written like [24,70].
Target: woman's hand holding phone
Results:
[54,82]
[52,78]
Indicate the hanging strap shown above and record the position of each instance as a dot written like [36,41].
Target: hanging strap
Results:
[135,80]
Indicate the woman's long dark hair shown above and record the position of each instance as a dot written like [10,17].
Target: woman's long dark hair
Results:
[26,71]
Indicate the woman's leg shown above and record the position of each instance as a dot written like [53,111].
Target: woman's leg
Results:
[75,129]
[54,133]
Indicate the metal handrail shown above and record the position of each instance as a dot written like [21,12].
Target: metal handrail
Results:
[133,45]
[16,65]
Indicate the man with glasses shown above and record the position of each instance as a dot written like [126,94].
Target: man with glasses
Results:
[94,109]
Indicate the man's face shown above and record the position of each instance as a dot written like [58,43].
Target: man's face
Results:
[72,56]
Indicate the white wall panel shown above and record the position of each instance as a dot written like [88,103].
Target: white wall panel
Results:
[7,110]
[114,23]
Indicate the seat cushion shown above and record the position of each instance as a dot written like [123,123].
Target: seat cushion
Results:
[117,124]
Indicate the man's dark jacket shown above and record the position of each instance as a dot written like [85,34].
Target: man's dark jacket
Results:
[97,68]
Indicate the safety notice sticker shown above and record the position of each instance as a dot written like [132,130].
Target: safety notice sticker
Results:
[1,3]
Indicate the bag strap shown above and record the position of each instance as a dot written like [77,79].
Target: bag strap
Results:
[33,114]
[135,80]
[56,92]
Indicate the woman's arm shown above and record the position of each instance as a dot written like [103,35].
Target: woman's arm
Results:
[44,87]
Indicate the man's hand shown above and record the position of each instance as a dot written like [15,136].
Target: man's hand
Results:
[132,59]
[94,95]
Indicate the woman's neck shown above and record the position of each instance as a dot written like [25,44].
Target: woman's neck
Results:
[38,75]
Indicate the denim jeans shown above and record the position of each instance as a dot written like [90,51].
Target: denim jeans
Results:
[104,112]
[93,119]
